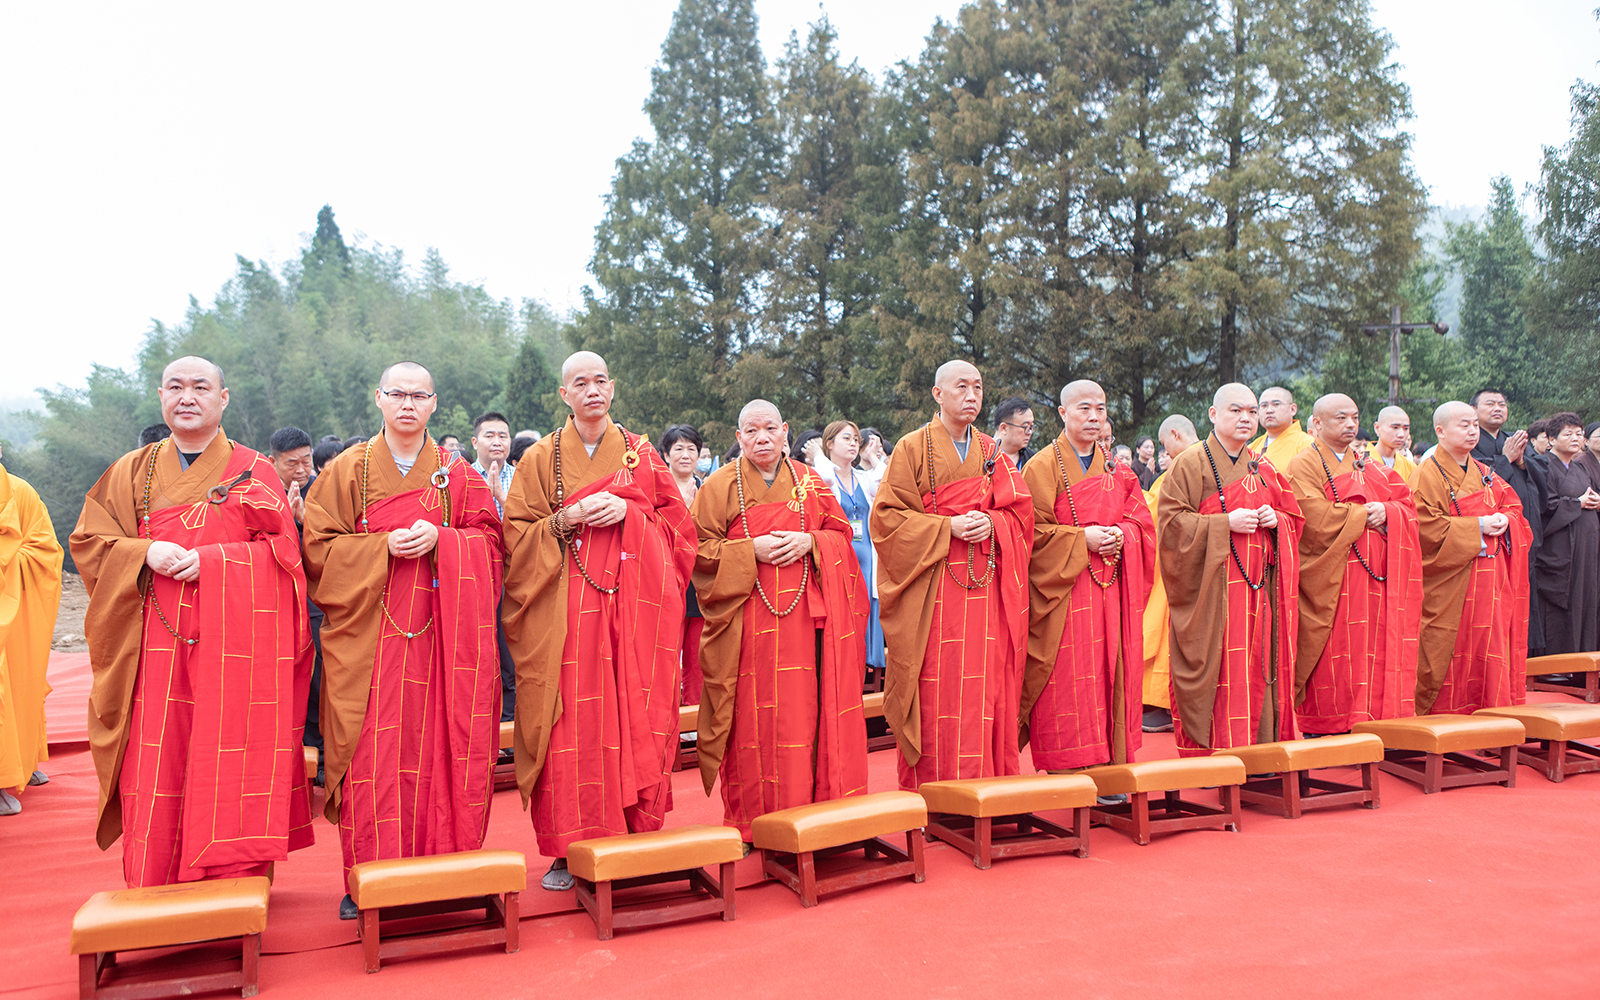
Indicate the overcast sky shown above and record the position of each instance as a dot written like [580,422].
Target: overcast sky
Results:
[146,144]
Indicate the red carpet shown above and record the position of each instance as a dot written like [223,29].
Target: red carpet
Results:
[1474,892]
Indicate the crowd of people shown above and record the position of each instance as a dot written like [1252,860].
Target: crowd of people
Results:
[398,602]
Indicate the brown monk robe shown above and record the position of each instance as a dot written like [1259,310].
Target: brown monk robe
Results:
[1230,559]
[1475,546]
[955,533]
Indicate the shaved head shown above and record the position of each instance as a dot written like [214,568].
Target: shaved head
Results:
[1082,388]
[1277,410]
[950,371]
[1456,425]
[1333,402]
[1179,428]
[759,406]
[1393,414]
[958,389]
[1083,414]
[1230,392]
[192,400]
[189,364]
[1449,411]
[406,368]
[582,360]
[1335,420]
[1278,394]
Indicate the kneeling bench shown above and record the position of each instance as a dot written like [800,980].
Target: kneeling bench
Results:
[1558,729]
[1587,664]
[1431,750]
[964,813]
[1294,789]
[1170,777]
[793,841]
[403,888]
[603,865]
[163,916]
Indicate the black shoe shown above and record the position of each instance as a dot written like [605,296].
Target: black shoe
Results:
[348,909]
[1111,800]
[38,778]
[557,879]
[320,781]
[1555,678]
[507,756]
[1157,720]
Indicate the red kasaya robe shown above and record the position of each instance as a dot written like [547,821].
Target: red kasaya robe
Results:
[598,673]
[1233,638]
[1082,690]
[412,722]
[197,742]
[780,713]
[1360,593]
[956,640]
[1474,642]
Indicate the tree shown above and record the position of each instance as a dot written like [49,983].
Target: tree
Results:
[530,389]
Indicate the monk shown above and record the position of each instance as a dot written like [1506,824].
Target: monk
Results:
[1176,436]
[1282,438]
[200,648]
[403,549]
[1228,528]
[954,528]
[1360,580]
[1473,647]
[1567,565]
[1393,430]
[785,638]
[1093,549]
[600,548]
[30,566]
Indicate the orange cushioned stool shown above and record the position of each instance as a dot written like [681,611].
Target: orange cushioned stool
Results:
[879,735]
[1586,664]
[403,888]
[1558,729]
[1170,777]
[964,814]
[793,842]
[311,764]
[164,916]
[1431,750]
[1294,789]
[604,865]
[505,775]
[688,754]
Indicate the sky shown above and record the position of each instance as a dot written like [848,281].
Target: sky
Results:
[147,144]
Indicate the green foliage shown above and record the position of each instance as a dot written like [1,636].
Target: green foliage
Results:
[531,400]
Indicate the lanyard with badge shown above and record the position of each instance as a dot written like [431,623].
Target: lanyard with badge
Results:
[847,500]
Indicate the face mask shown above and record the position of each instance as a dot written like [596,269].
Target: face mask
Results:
[703,466]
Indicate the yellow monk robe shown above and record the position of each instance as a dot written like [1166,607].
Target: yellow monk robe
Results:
[1403,467]
[1157,641]
[30,568]
[1284,447]
[955,624]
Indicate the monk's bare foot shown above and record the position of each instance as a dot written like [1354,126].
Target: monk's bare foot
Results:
[557,879]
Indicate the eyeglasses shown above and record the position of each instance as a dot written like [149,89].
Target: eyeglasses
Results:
[1020,427]
[400,396]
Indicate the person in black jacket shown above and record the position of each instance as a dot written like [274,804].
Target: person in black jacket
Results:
[1508,455]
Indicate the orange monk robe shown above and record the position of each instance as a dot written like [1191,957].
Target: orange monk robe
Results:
[30,593]
[411,721]
[597,672]
[956,635]
[780,713]
[1233,632]
[1360,592]
[1474,641]
[197,744]
[1081,688]
[1284,447]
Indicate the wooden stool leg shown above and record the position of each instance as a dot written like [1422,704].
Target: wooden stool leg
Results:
[807,866]
[1230,802]
[982,830]
[369,937]
[1369,782]
[1433,771]
[513,923]
[1508,763]
[1080,829]
[604,925]
[252,966]
[1555,760]
[919,869]
[726,879]
[1291,793]
[88,975]
[1141,817]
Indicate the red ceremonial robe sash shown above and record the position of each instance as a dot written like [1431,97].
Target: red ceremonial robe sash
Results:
[971,683]
[1100,663]
[1259,634]
[420,778]
[1368,669]
[608,770]
[799,732]
[1488,666]
[213,781]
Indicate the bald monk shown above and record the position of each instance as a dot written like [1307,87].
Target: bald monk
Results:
[200,647]
[785,638]
[600,549]
[1393,429]
[1093,549]
[403,549]
[1176,436]
[1229,528]
[1360,580]
[1282,439]
[954,528]
[1475,546]
[30,568]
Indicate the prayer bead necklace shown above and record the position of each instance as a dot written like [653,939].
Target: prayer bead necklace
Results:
[630,460]
[441,482]
[1335,491]
[1072,505]
[1223,500]
[933,491]
[144,526]
[805,564]
[1488,480]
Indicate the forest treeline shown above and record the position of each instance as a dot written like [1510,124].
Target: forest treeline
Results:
[1161,195]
